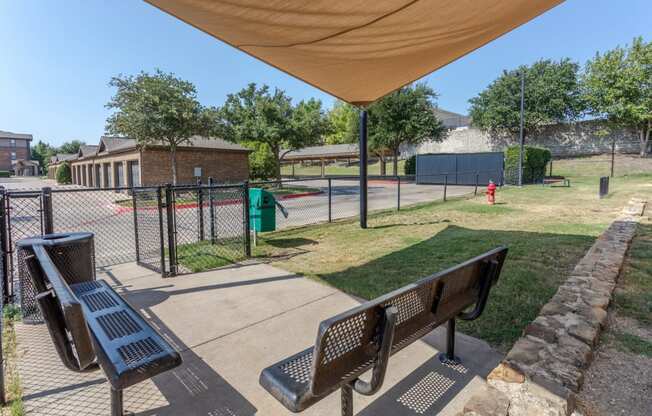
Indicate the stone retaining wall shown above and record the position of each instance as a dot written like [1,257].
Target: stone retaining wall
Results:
[545,368]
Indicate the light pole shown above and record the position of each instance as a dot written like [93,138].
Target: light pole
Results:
[521,139]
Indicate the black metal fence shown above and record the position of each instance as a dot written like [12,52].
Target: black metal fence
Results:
[170,229]
[460,168]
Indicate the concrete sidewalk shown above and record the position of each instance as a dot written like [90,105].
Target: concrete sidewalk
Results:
[229,324]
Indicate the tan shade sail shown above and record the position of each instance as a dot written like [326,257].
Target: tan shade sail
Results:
[357,50]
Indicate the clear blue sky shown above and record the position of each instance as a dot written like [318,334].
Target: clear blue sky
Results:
[56,58]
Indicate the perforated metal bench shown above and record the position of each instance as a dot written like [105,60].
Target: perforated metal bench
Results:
[91,324]
[365,337]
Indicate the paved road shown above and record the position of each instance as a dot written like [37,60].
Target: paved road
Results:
[113,224]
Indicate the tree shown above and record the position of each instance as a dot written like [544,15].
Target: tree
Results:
[70,147]
[256,116]
[42,152]
[552,95]
[618,88]
[64,175]
[158,109]
[342,118]
[404,116]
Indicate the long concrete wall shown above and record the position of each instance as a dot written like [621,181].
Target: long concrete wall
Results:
[572,139]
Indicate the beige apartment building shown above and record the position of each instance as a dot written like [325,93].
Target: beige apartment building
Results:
[117,162]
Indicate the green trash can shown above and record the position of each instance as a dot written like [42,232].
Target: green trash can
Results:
[262,210]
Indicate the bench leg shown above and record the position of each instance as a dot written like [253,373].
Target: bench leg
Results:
[117,405]
[347,400]
[449,357]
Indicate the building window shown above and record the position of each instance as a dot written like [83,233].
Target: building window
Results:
[13,155]
[13,142]
[134,173]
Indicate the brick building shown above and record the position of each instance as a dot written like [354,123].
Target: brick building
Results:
[118,162]
[15,149]
[56,161]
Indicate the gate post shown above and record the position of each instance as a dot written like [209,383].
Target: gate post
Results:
[4,230]
[245,214]
[159,203]
[46,210]
[135,208]
[200,209]
[445,186]
[211,209]
[172,241]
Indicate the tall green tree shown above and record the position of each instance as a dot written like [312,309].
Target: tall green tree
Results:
[403,117]
[70,147]
[552,95]
[342,118]
[255,116]
[42,152]
[158,109]
[618,88]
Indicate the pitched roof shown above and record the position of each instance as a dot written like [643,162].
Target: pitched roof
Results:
[61,157]
[10,135]
[112,144]
[329,150]
[86,150]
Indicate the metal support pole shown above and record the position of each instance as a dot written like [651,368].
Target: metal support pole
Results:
[159,202]
[245,214]
[445,186]
[46,214]
[200,209]
[135,209]
[172,241]
[550,173]
[477,178]
[4,244]
[3,296]
[613,155]
[330,200]
[347,400]
[450,339]
[211,209]
[398,193]
[116,402]
[363,168]
[521,137]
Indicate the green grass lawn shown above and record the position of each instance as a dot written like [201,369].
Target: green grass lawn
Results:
[203,255]
[338,169]
[546,229]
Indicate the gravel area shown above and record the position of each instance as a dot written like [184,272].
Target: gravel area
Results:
[618,382]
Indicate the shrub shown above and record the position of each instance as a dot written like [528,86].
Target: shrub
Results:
[410,167]
[534,164]
[5,174]
[63,174]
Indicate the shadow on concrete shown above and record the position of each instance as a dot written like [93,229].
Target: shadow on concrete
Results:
[194,388]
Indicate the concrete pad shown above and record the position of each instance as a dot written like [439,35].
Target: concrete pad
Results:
[230,324]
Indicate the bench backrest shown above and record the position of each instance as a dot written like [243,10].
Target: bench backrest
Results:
[61,310]
[347,344]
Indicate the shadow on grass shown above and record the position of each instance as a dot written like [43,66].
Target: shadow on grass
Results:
[289,242]
[536,264]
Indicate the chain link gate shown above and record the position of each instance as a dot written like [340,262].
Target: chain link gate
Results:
[187,229]
[23,214]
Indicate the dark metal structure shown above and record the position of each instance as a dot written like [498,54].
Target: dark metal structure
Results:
[363,168]
[72,254]
[460,168]
[91,325]
[365,337]
[604,186]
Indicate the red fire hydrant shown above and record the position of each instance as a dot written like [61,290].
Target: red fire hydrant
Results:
[491,193]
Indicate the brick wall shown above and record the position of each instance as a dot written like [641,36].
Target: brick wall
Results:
[224,166]
[5,156]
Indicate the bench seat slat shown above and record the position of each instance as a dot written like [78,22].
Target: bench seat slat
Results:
[128,349]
